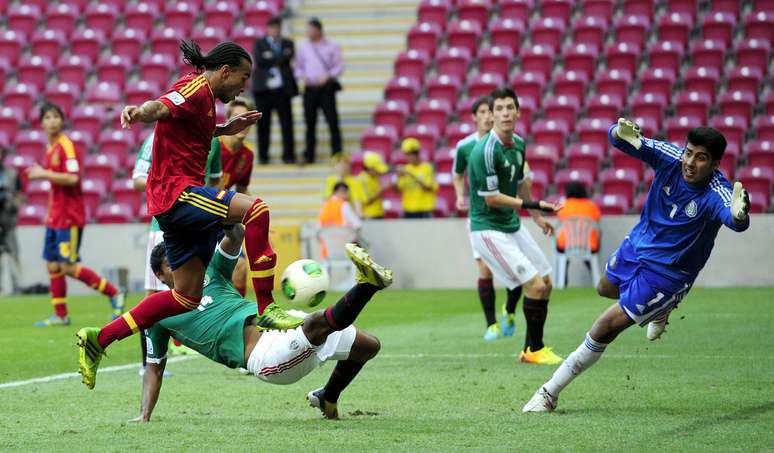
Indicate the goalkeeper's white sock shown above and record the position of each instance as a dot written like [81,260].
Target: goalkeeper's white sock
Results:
[576,363]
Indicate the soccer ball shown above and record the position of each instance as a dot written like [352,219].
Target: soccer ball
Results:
[305,283]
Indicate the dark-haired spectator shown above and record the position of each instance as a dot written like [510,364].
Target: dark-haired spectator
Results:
[578,205]
[10,190]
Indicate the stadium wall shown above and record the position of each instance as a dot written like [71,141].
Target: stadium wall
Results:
[426,254]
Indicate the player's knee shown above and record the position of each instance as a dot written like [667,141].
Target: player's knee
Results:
[53,267]
[69,268]
[368,347]
[537,289]
[549,286]
[484,272]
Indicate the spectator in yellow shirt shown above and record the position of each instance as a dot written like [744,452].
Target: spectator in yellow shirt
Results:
[371,186]
[343,174]
[416,182]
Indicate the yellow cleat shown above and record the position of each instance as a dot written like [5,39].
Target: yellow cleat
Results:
[90,354]
[367,270]
[544,356]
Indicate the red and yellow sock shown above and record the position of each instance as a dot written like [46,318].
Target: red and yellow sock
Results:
[261,258]
[150,310]
[58,291]
[95,281]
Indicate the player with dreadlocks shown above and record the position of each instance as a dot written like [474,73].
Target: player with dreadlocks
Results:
[191,215]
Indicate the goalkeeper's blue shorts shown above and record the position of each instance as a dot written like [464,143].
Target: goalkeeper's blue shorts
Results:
[645,293]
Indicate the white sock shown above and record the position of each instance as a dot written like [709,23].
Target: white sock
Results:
[582,358]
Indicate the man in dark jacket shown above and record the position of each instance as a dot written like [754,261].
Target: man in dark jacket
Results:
[273,87]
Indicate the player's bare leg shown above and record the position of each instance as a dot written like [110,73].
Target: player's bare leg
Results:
[536,294]
[239,277]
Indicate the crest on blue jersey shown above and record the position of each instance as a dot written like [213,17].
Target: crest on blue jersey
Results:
[691,209]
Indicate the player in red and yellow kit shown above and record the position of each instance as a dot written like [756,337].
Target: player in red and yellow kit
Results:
[65,220]
[190,215]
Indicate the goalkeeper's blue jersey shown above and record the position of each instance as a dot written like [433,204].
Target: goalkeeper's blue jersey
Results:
[679,222]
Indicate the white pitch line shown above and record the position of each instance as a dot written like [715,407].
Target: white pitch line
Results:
[501,355]
[59,377]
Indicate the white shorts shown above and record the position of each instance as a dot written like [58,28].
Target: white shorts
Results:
[514,258]
[476,255]
[152,283]
[285,357]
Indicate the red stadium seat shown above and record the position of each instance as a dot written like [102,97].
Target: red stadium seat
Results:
[23,18]
[539,185]
[719,27]
[649,105]
[692,103]
[528,85]
[592,132]
[675,27]
[116,143]
[424,37]
[737,103]
[140,16]
[556,9]
[73,69]
[444,160]
[145,218]
[562,108]
[87,43]
[764,5]
[581,58]
[589,30]
[677,128]
[683,7]
[38,192]
[632,29]
[31,143]
[465,34]
[61,17]
[101,16]
[89,118]
[180,16]
[550,132]
[157,69]
[444,87]
[63,94]
[659,82]
[753,53]
[82,141]
[764,125]
[453,61]
[620,181]
[588,158]
[464,108]
[166,41]
[30,214]
[600,9]
[623,56]
[760,153]
[380,139]
[506,32]
[484,84]
[537,59]
[34,70]
[114,69]
[494,60]
[622,161]
[93,191]
[563,177]
[548,31]
[732,127]
[612,204]
[474,10]
[391,113]
[760,25]
[768,103]
[208,37]
[258,14]
[614,82]
[433,112]
[457,131]
[220,15]
[434,12]
[47,43]
[10,121]
[402,89]
[114,213]
[746,79]
[606,107]
[517,10]
[20,96]
[142,91]
[703,80]
[411,63]
[649,126]
[527,108]
[101,167]
[665,55]
[128,42]
[571,83]
[758,182]
[708,53]
[726,6]
[542,160]
[426,134]
[246,36]
[11,44]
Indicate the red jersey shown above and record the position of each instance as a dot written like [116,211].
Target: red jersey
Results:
[181,143]
[237,165]
[65,203]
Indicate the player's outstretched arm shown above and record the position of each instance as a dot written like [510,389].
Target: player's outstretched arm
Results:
[148,112]
[740,205]
[232,241]
[500,200]
[627,137]
[151,387]
[238,123]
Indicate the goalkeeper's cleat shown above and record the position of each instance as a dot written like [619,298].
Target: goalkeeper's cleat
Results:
[543,356]
[367,270]
[89,355]
[630,132]
[657,326]
[180,350]
[541,401]
[492,332]
[117,304]
[53,320]
[740,202]
[317,399]
[508,323]
[276,318]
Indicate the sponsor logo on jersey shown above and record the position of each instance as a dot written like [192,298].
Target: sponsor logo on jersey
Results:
[691,209]
[175,97]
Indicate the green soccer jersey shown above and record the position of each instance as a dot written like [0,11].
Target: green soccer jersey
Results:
[214,168]
[216,328]
[495,168]
[462,155]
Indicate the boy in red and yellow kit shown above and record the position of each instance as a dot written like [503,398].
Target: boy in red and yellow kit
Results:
[65,220]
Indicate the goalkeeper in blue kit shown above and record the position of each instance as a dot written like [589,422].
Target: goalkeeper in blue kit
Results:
[657,263]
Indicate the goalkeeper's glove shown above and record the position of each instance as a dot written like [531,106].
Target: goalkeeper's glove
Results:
[629,131]
[740,203]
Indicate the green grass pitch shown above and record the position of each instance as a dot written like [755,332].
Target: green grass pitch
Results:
[708,385]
